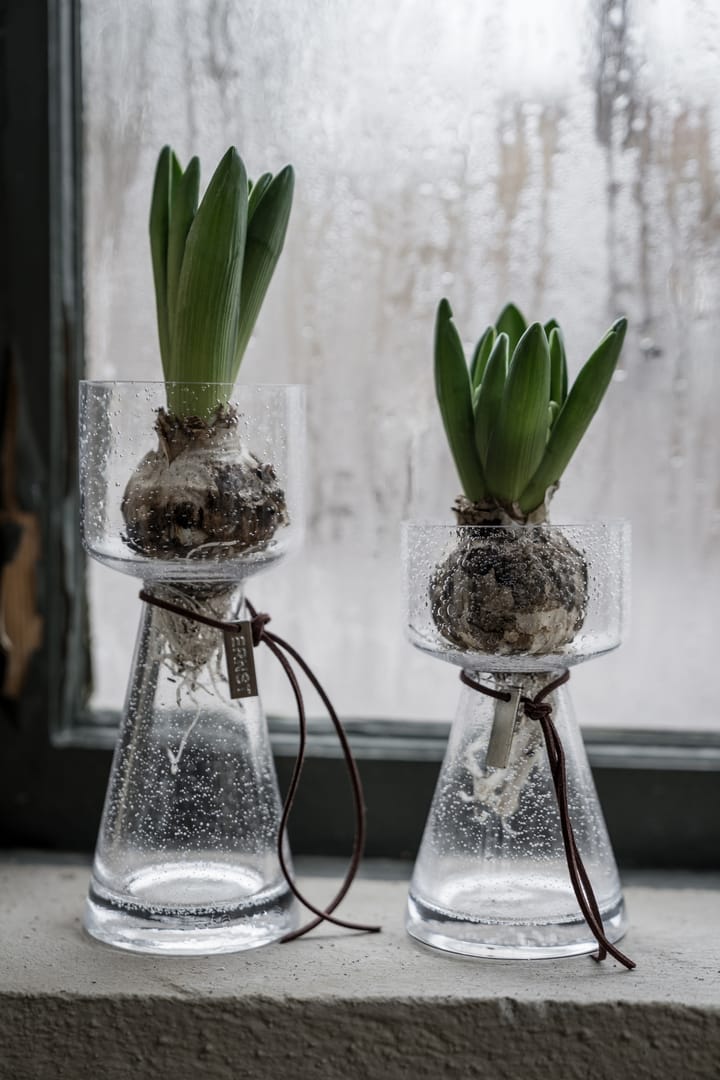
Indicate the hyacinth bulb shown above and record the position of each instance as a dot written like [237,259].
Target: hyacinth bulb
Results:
[201,492]
[510,591]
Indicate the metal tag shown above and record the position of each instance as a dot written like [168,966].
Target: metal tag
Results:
[240,661]
[501,736]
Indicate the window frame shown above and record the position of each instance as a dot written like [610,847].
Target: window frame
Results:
[659,790]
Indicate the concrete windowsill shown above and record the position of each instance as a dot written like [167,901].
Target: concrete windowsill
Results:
[343,1005]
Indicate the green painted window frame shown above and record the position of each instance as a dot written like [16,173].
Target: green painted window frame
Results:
[660,790]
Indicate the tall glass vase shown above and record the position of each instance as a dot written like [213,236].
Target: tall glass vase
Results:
[514,608]
[187,855]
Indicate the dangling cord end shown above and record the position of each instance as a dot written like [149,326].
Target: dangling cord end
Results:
[541,711]
[276,645]
[279,647]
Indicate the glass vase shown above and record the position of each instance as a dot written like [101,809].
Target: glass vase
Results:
[514,608]
[187,857]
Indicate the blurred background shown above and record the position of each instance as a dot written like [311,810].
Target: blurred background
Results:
[564,155]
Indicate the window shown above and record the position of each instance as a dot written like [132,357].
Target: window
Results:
[430,160]
[562,155]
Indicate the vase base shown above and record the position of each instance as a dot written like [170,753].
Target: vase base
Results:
[138,922]
[506,940]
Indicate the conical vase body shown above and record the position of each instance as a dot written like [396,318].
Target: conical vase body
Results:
[491,877]
[186,859]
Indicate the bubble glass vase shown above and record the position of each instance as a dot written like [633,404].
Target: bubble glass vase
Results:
[187,860]
[514,608]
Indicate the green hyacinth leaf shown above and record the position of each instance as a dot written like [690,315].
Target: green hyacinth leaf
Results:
[490,394]
[558,365]
[257,190]
[167,174]
[208,299]
[519,437]
[481,356]
[511,321]
[553,410]
[452,387]
[183,207]
[265,239]
[575,415]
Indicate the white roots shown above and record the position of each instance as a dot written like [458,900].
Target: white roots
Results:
[188,646]
[191,653]
[496,792]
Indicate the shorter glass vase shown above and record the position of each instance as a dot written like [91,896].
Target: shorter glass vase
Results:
[491,876]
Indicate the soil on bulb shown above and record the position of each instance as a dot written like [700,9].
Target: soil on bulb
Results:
[510,590]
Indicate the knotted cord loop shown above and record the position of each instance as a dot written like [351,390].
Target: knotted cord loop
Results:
[282,650]
[539,710]
[258,623]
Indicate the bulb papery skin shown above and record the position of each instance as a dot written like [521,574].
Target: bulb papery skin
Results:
[510,590]
[490,512]
[201,493]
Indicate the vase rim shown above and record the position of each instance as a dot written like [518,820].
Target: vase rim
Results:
[196,382]
[588,523]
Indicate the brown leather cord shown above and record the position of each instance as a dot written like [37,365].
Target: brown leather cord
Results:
[540,710]
[279,648]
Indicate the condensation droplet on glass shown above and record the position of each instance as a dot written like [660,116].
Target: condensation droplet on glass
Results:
[615,17]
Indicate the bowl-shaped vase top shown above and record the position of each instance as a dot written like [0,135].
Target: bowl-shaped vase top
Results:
[516,598]
[187,498]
